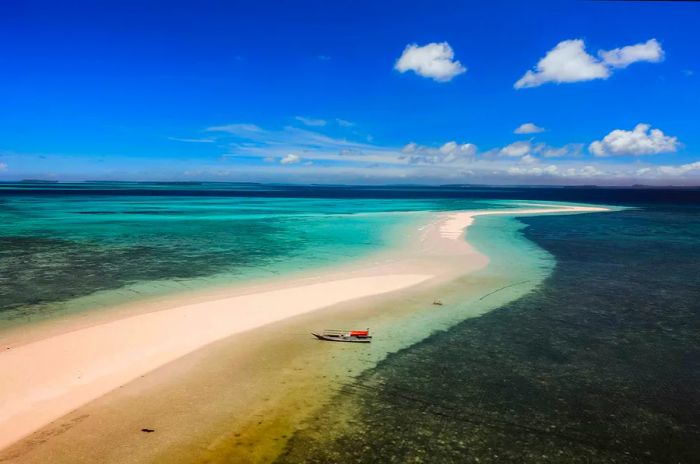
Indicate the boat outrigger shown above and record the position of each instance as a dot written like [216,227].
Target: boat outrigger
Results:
[353,336]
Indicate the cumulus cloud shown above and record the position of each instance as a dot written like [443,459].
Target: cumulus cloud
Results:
[528,128]
[343,160]
[570,150]
[446,153]
[622,57]
[670,171]
[524,148]
[529,159]
[411,147]
[451,148]
[679,170]
[587,171]
[311,121]
[643,140]
[516,149]
[290,159]
[435,60]
[550,170]
[569,62]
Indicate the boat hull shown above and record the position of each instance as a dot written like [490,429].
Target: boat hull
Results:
[342,338]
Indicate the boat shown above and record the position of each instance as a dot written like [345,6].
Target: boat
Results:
[352,336]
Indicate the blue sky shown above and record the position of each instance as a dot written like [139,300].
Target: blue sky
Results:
[352,92]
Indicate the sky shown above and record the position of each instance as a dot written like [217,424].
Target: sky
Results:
[355,92]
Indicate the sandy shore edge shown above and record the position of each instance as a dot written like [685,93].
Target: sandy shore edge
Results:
[53,376]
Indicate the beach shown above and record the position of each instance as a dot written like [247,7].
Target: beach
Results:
[83,383]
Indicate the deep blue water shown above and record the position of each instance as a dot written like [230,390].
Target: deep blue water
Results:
[605,195]
[600,364]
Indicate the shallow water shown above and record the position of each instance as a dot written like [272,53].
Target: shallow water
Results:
[82,248]
[397,321]
[57,249]
[601,363]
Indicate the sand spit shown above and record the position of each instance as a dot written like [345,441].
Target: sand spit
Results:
[47,378]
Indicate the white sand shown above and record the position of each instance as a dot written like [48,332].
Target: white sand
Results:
[47,378]
[456,224]
[51,377]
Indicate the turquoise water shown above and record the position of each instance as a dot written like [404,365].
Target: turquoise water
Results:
[69,252]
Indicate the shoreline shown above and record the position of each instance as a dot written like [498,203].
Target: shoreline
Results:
[145,296]
[439,255]
[97,310]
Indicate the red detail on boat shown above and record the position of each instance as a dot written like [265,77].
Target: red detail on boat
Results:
[359,333]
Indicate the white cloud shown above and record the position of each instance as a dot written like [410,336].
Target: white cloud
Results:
[410,148]
[516,149]
[529,159]
[237,129]
[570,149]
[622,57]
[446,153]
[265,143]
[528,128]
[343,160]
[435,60]
[344,122]
[641,141]
[581,172]
[350,152]
[311,121]
[679,170]
[668,172]
[3,167]
[454,151]
[526,147]
[569,62]
[589,171]
[290,159]
[187,140]
[453,147]
[550,170]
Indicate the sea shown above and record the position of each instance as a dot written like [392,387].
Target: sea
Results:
[68,248]
[594,358]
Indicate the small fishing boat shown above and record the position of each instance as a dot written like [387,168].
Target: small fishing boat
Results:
[352,336]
